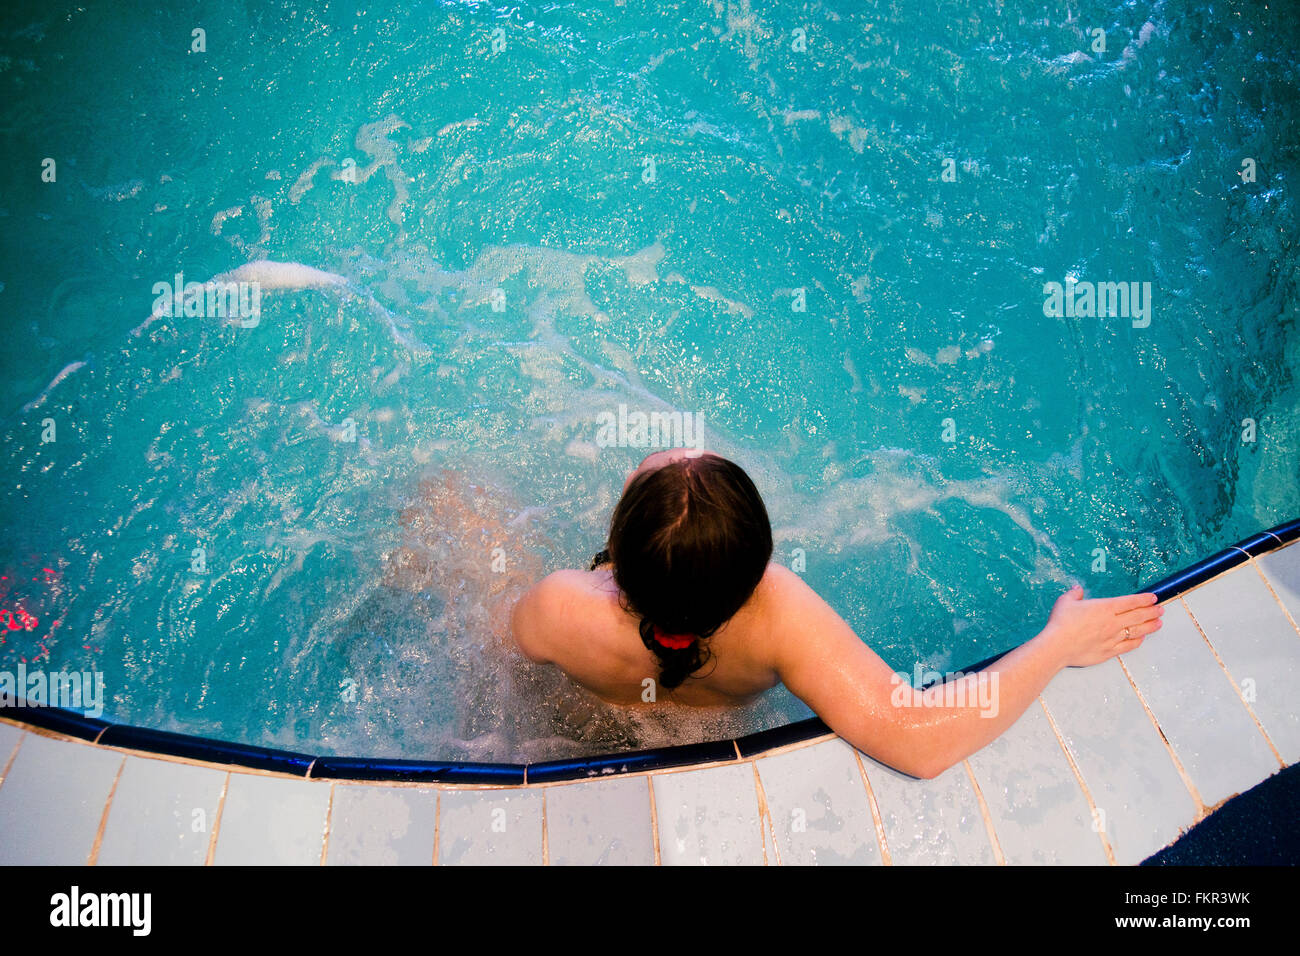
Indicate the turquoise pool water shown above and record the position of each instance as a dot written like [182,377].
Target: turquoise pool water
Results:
[825,245]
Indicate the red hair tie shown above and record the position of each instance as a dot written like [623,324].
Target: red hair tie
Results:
[676,642]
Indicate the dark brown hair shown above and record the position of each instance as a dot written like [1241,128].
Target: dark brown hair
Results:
[690,541]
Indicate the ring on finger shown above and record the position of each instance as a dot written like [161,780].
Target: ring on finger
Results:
[1126,633]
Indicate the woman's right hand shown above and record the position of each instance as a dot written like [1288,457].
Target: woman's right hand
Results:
[1089,631]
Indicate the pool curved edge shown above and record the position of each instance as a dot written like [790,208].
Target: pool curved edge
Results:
[144,739]
[1245,619]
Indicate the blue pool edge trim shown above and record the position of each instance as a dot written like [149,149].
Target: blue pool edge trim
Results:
[171,744]
[393,770]
[385,770]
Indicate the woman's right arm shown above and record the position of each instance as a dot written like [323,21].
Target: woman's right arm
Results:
[923,733]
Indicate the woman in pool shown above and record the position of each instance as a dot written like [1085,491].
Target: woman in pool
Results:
[685,595]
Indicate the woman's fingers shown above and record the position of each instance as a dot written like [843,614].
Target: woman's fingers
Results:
[1139,615]
[1132,644]
[1138,630]
[1131,602]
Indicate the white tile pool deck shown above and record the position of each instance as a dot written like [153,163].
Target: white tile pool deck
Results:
[1111,764]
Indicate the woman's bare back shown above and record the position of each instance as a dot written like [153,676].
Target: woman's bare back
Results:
[573,620]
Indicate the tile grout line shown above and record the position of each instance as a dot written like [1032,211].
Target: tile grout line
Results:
[654,818]
[1173,754]
[765,813]
[329,813]
[1231,680]
[759,798]
[1268,584]
[437,824]
[1083,785]
[103,817]
[546,836]
[999,858]
[4,773]
[886,858]
[216,824]
[797,745]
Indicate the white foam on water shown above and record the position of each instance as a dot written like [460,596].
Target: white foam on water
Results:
[853,512]
[273,276]
[63,373]
[373,139]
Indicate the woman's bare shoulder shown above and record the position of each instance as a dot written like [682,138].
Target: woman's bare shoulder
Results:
[552,596]
[787,606]
[549,607]
[783,586]
[765,615]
